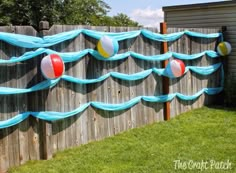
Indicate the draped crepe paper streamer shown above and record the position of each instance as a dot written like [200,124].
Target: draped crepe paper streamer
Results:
[122,76]
[52,66]
[107,46]
[175,68]
[52,116]
[224,48]
[47,41]
[75,56]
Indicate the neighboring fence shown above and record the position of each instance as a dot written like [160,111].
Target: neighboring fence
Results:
[34,139]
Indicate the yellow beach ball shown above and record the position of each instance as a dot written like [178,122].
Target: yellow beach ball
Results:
[224,48]
[107,46]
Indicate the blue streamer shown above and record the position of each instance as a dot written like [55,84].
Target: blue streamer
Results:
[204,70]
[116,107]
[36,42]
[14,121]
[141,75]
[41,86]
[75,56]
[162,37]
[53,116]
[127,77]
[85,81]
[209,53]
[132,77]
[202,35]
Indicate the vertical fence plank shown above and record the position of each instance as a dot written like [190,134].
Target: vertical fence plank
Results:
[135,86]
[80,98]
[4,133]
[120,91]
[12,108]
[24,74]
[46,133]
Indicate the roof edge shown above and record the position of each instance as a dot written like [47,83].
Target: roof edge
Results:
[199,6]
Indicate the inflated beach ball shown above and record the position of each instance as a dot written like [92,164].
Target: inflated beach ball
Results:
[175,68]
[52,66]
[224,48]
[107,46]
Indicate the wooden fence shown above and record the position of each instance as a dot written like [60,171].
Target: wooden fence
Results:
[34,139]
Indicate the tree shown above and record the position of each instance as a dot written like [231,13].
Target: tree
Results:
[24,12]
[84,12]
[123,20]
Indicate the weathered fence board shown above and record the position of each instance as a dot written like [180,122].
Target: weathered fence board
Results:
[35,139]
[15,142]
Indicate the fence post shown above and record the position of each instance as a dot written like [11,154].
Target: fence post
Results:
[165,80]
[46,152]
[225,96]
[43,28]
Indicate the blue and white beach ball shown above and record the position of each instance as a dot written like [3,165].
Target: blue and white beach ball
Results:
[224,48]
[107,46]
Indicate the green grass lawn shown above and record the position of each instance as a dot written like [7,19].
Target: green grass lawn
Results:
[206,134]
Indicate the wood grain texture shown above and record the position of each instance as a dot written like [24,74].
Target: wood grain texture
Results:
[15,141]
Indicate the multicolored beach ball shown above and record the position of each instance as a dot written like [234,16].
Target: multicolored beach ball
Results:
[52,66]
[107,46]
[224,48]
[175,68]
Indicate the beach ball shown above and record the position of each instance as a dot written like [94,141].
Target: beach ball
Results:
[52,66]
[224,48]
[107,46]
[175,68]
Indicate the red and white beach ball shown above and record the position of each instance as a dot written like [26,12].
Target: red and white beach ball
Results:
[175,68]
[52,66]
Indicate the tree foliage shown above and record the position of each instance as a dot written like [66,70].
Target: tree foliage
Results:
[24,12]
[123,20]
[84,12]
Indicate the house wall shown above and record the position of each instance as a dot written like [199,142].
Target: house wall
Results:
[210,15]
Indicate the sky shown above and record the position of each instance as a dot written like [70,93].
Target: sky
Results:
[147,12]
